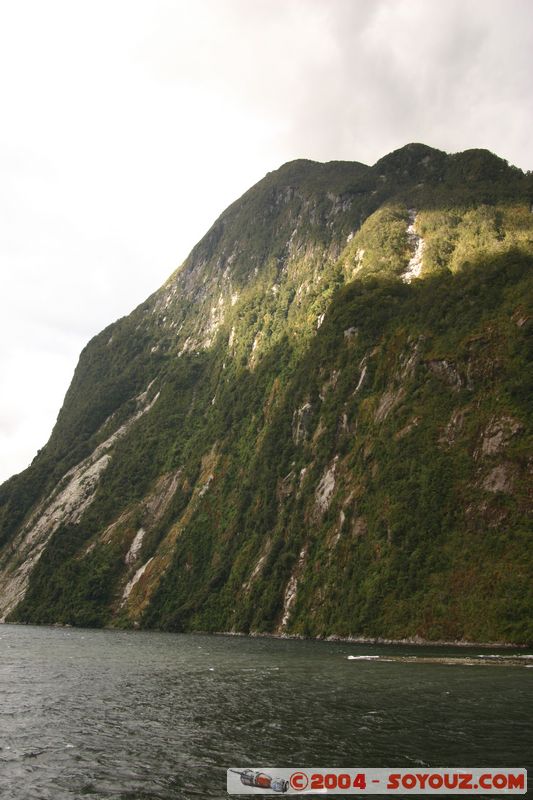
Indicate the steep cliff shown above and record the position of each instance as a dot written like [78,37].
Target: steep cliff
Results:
[319,425]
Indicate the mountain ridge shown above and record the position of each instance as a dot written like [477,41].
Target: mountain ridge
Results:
[232,452]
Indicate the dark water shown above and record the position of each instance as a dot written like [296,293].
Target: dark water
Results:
[104,714]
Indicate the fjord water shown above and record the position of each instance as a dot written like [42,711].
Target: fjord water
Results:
[111,714]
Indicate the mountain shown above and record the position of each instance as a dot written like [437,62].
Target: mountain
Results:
[320,425]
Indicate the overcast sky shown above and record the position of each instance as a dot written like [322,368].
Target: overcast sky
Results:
[127,126]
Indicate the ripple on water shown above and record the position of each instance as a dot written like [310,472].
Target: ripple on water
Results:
[132,715]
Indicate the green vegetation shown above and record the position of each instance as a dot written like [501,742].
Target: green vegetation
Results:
[346,453]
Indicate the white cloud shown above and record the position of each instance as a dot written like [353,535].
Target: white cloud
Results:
[128,125]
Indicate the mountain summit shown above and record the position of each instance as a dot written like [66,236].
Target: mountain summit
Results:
[319,425]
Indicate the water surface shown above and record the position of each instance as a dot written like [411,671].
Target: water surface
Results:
[146,715]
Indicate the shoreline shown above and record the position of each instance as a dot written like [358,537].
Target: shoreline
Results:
[412,641]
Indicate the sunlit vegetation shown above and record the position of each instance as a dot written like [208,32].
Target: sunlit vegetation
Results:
[425,529]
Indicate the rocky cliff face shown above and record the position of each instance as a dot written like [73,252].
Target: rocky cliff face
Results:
[319,425]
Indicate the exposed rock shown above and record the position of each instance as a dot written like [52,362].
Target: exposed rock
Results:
[406,365]
[389,400]
[301,480]
[292,586]
[159,499]
[407,428]
[350,333]
[65,505]
[408,360]
[497,435]
[286,486]
[363,367]
[416,244]
[288,600]
[135,547]
[325,488]
[203,489]
[447,372]
[136,578]
[359,256]
[454,427]
[151,510]
[141,591]
[520,318]
[258,569]
[500,478]
[300,423]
